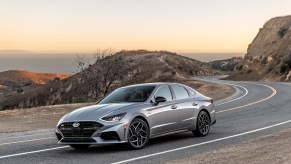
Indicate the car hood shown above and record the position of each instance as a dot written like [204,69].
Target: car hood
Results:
[94,112]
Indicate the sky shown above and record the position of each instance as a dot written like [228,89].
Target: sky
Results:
[184,26]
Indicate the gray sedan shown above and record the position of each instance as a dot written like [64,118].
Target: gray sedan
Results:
[136,113]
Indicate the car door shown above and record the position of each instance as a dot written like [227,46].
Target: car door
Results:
[164,117]
[186,106]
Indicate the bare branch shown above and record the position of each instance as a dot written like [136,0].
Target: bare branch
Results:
[106,70]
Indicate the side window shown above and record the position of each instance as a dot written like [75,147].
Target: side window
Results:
[165,92]
[180,92]
[192,92]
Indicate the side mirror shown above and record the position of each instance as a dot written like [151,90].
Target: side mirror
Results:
[159,100]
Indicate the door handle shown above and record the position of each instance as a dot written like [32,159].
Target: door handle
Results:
[195,104]
[174,107]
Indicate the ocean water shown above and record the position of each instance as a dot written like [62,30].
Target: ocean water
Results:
[55,63]
[207,57]
[65,63]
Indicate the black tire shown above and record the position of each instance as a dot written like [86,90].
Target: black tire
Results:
[202,125]
[80,146]
[138,134]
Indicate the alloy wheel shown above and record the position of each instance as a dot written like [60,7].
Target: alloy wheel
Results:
[202,125]
[138,134]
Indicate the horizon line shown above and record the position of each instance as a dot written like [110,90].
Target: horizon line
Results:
[93,51]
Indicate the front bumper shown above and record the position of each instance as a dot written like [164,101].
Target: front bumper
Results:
[107,133]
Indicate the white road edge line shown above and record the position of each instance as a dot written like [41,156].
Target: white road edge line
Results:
[32,152]
[219,82]
[37,139]
[28,135]
[246,92]
[199,144]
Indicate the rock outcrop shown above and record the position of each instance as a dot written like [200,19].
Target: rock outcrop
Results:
[226,65]
[268,57]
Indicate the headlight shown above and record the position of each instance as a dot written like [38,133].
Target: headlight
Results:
[113,118]
[61,120]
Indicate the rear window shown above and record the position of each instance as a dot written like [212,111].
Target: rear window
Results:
[180,92]
[191,92]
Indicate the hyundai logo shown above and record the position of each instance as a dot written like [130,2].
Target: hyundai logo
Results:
[76,124]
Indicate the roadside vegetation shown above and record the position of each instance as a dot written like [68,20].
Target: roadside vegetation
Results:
[282,31]
[286,63]
[108,71]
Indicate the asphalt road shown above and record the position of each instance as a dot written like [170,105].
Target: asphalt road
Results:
[256,109]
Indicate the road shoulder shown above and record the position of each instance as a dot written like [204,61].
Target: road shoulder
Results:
[268,149]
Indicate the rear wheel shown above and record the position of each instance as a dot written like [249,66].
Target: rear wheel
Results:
[81,146]
[202,125]
[138,134]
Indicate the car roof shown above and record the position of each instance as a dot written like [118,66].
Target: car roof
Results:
[152,84]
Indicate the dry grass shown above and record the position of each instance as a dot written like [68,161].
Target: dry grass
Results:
[16,77]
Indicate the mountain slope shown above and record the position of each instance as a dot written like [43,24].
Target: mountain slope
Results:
[21,77]
[268,57]
[144,66]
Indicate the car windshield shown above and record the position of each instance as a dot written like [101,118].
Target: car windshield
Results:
[129,94]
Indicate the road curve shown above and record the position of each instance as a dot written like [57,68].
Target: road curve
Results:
[256,109]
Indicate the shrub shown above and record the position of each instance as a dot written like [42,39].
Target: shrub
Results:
[79,99]
[270,69]
[264,60]
[240,67]
[8,106]
[20,90]
[286,63]
[282,31]
[57,79]
[283,68]
[249,71]
[27,84]
[191,72]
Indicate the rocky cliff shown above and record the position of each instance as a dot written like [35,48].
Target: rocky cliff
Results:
[268,57]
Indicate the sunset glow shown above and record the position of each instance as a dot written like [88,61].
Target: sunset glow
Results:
[180,26]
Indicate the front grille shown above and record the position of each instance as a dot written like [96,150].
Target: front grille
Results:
[78,140]
[85,129]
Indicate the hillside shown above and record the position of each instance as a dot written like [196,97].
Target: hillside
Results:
[226,65]
[268,57]
[142,66]
[21,77]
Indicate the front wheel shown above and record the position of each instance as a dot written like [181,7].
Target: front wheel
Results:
[138,134]
[81,146]
[202,125]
